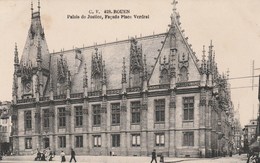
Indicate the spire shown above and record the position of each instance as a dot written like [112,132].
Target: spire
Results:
[124,71]
[32,8]
[51,83]
[16,58]
[68,79]
[39,6]
[203,64]
[85,80]
[104,74]
[210,50]
[175,16]
[145,69]
[36,37]
[39,55]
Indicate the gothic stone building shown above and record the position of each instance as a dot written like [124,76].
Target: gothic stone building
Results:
[128,97]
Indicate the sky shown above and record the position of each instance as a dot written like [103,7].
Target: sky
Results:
[232,25]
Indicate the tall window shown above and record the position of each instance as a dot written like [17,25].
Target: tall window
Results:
[136,140]
[46,121]
[28,143]
[96,115]
[97,140]
[62,141]
[97,83]
[116,140]
[28,119]
[188,107]
[62,117]
[135,108]
[79,116]
[164,77]
[115,110]
[159,139]
[136,80]
[160,110]
[79,141]
[188,139]
[183,74]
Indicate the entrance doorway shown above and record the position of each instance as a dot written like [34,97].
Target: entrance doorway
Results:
[46,142]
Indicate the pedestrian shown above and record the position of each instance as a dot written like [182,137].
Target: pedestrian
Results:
[73,155]
[154,156]
[161,158]
[62,155]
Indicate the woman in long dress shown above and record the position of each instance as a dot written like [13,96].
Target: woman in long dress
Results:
[62,155]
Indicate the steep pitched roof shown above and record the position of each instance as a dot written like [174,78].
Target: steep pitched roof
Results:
[112,53]
[35,38]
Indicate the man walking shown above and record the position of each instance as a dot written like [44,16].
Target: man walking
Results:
[154,156]
[73,155]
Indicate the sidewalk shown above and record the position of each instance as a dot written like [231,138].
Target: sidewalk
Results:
[96,159]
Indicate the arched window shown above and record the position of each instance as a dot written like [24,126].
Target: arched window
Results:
[97,81]
[136,81]
[164,76]
[183,74]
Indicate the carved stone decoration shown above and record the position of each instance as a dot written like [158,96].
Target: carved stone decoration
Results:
[183,60]
[98,74]
[144,106]
[37,115]
[62,69]
[172,104]
[203,98]
[123,108]
[96,63]
[85,111]
[26,72]
[202,101]
[164,71]
[183,67]
[136,62]
[210,103]
[78,60]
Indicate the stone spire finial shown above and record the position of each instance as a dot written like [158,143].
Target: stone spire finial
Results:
[39,6]
[85,80]
[124,71]
[31,7]
[203,64]
[16,58]
[104,74]
[145,69]
[39,55]
[174,3]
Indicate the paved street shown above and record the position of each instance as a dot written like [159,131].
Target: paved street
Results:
[119,159]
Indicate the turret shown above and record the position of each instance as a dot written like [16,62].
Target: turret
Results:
[104,79]
[85,81]
[68,85]
[203,69]
[210,66]
[16,67]
[123,77]
[34,59]
[145,75]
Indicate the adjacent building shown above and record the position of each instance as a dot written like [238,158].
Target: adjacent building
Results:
[250,131]
[155,94]
[5,127]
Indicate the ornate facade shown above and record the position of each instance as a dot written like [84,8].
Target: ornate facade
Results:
[155,94]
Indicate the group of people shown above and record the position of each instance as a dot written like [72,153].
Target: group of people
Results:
[253,157]
[73,154]
[154,157]
[47,154]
